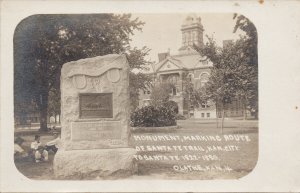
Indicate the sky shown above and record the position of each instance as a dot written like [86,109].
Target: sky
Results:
[162,31]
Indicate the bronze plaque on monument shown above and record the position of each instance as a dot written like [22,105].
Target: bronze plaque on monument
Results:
[95,105]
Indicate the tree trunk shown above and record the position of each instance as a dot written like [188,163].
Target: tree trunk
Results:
[244,112]
[43,111]
[245,108]
[217,115]
[223,116]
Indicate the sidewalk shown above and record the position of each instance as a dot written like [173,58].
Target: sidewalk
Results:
[34,129]
[219,120]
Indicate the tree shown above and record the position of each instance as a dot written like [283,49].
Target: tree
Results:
[188,91]
[249,47]
[54,102]
[226,80]
[43,43]
[160,94]
[172,106]
[234,74]
[138,80]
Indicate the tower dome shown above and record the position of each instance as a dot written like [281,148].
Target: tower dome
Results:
[191,19]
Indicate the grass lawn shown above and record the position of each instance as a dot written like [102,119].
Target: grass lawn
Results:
[32,170]
[242,162]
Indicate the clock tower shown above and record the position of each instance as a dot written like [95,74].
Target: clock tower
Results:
[192,32]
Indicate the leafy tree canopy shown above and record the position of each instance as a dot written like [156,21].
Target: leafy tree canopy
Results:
[161,93]
[235,68]
[43,43]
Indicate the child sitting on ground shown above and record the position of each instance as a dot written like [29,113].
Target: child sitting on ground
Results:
[19,152]
[40,154]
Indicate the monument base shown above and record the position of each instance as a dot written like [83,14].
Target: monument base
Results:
[95,164]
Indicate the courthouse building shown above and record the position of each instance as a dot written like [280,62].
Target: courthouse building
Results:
[187,66]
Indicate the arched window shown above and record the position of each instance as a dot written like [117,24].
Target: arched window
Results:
[174,91]
[190,77]
[204,77]
[184,38]
[194,36]
[189,38]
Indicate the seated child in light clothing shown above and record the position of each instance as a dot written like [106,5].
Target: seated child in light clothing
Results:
[40,154]
[19,152]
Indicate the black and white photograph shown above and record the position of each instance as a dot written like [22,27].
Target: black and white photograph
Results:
[149,96]
[138,96]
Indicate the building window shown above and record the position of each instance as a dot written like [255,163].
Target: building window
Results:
[197,74]
[202,115]
[174,91]
[208,115]
[190,76]
[204,79]
[185,37]
[189,38]
[173,78]
[148,92]
[205,105]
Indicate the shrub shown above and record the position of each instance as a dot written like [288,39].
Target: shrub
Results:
[150,116]
[180,117]
[172,105]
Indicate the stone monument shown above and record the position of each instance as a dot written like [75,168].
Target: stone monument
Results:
[95,119]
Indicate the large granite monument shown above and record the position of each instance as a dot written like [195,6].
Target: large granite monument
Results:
[95,119]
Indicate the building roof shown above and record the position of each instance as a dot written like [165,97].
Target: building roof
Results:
[184,61]
[187,59]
